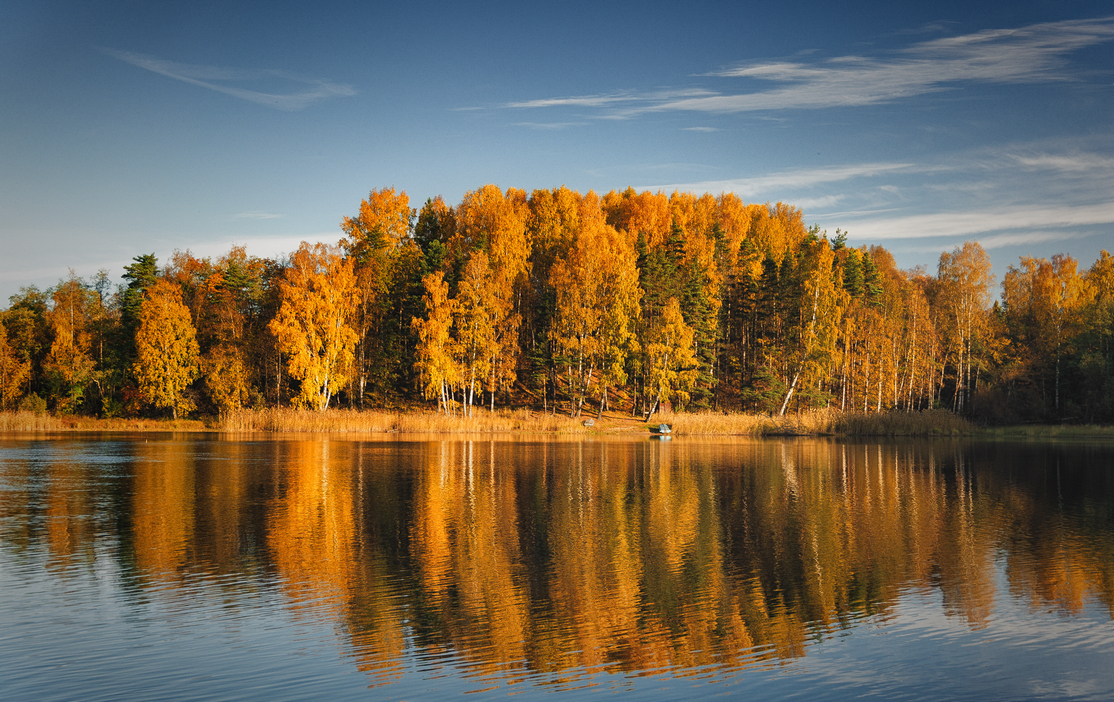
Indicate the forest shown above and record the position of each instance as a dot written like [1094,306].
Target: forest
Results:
[566,303]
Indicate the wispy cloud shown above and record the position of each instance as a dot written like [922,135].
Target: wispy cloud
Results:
[1032,219]
[610,99]
[578,101]
[218,79]
[699,129]
[1037,53]
[548,125]
[786,180]
[257,215]
[1001,241]
[1076,163]
[817,203]
[1004,196]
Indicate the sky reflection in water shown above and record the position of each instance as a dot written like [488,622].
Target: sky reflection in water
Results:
[193,568]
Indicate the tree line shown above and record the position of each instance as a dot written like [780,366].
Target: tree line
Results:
[566,302]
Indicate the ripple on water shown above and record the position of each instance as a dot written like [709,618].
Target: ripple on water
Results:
[172,574]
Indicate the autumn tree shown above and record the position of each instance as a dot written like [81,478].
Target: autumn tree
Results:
[700,244]
[1096,342]
[226,377]
[813,323]
[962,303]
[434,229]
[166,348]
[13,372]
[388,266]
[669,358]
[596,306]
[554,218]
[1045,303]
[313,325]
[692,299]
[29,332]
[437,369]
[478,311]
[196,278]
[70,367]
[140,275]
[645,213]
[494,223]
[233,349]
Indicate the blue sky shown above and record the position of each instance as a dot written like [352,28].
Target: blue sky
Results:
[132,127]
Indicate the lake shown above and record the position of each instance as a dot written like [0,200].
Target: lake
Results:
[216,567]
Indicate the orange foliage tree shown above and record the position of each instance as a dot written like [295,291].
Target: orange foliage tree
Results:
[70,367]
[596,311]
[13,372]
[166,348]
[437,369]
[319,298]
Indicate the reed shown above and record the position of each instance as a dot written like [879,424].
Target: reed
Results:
[714,424]
[44,422]
[341,421]
[926,423]
[816,422]
[524,421]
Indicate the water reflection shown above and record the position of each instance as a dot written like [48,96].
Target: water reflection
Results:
[551,562]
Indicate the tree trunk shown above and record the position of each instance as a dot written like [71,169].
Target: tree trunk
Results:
[792,387]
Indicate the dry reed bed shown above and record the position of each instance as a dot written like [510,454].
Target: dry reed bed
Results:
[340,421]
[934,422]
[35,421]
[375,422]
[927,423]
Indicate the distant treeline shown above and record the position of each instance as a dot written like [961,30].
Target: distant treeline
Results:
[562,302]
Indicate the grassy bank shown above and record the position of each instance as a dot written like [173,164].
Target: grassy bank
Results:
[522,421]
[374,422]
[819,422]
[33,421]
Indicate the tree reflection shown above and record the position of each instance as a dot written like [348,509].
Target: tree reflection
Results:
[568,558]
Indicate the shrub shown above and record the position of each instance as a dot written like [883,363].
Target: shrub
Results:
[33,403]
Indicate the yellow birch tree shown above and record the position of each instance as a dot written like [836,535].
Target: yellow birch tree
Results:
[494,223]
[436,367]
[813,338]
[479,312]
[597,305]
[963,301]
[70,367]
[319,298]
[670,357]
[377,241]
[13,372]
[166,348]
[226,377]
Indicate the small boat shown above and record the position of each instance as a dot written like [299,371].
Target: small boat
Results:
[661,429]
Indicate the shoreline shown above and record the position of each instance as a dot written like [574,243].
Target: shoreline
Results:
[824,423]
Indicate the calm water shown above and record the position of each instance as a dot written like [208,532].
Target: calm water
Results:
[206,568]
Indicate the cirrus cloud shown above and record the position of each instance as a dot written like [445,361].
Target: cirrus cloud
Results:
[1037,53]
[217,78]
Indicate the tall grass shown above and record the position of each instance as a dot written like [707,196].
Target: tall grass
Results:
[926,423]
[41,421]
[340,421]
[375,422]
[826,421]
